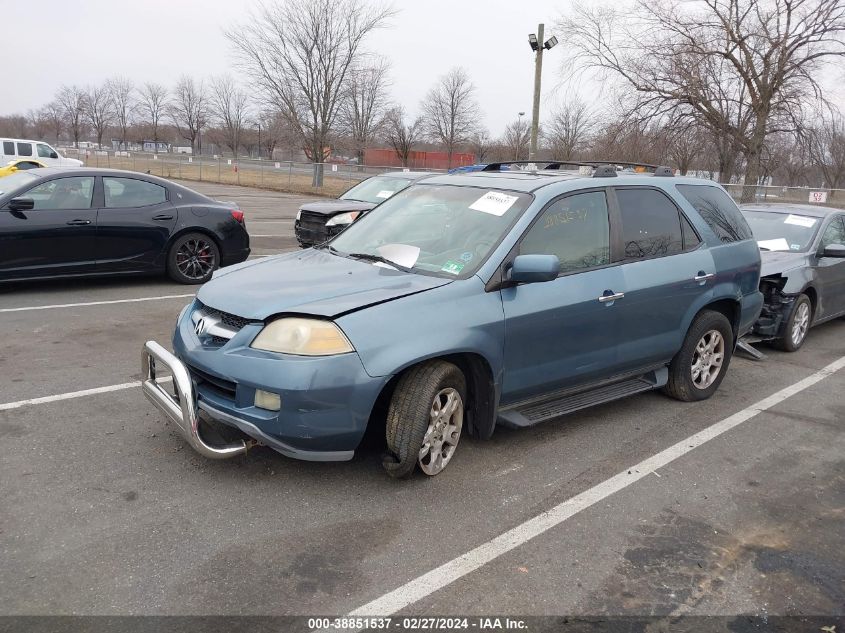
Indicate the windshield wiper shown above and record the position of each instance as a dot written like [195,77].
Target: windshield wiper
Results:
[369,257]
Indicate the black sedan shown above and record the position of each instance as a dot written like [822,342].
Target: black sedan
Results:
[316,222]
[69,222]
[803,274]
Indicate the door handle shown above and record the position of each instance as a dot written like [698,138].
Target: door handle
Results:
[79,222]
[613,297]
[701,276]
[162,216]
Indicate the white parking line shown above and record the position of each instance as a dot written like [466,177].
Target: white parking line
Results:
[95,303]
[449,572]
[76,394]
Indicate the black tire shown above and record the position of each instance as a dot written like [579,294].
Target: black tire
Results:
[205,254]
[681,385]
[408,416]
[788,343]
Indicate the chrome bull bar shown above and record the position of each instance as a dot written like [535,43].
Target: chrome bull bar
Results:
[181,409]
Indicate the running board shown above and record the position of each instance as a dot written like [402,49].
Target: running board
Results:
[526,414]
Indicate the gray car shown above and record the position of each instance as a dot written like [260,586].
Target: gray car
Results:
[803,274]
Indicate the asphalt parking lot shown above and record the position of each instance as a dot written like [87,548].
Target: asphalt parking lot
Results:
[645,506]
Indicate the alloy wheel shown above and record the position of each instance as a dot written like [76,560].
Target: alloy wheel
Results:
[800,324]
[707,359]
[195,258]
[444,431]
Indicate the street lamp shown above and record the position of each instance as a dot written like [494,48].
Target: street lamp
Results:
[534,42]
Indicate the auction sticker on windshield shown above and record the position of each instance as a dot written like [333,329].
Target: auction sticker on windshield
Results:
[800,220]
[384,194]
[453,267]
[494,203]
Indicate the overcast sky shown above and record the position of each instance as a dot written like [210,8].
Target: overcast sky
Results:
[86,41]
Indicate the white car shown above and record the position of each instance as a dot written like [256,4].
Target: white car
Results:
[15,149]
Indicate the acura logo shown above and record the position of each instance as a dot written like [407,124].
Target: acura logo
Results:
[200,326]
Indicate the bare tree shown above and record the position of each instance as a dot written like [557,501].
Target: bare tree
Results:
[825,143]
[515,139]
[125,104]
[153,103]
[763,56]
[275,130]
[300,53]
[188,109]
[228,104]
[450,111]
[38,124]
[54,114]
[14,125]
[99,110]
[685,143]
[568,129]
[72,102]
[365,103]
[480,144]
[401,135]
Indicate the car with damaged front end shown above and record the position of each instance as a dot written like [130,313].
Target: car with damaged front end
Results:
[461,303]
[803,269]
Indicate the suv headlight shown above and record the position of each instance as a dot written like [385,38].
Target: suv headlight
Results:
[304,337]
[343,218]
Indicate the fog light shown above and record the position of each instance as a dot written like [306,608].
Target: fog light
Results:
[267,400]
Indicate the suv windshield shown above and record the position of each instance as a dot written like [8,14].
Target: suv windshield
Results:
[14,181]
[376,189]
[782,231]
[445,230]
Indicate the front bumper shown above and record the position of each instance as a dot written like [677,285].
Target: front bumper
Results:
[185,405]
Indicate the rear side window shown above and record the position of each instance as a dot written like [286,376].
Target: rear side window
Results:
[24,149]
[575,229]
[43,151]
[718,210]
[9,148]
[122,193]
[651,224]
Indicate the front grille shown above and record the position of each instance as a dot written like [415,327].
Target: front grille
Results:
[232,320]
[312,227]
[224,387]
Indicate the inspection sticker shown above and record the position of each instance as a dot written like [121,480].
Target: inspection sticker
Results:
[494,203]
[800,220]
[453,267]
[384,194]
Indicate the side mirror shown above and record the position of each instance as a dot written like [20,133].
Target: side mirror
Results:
[529,269]
[53,155]
[834,250]
[21,204]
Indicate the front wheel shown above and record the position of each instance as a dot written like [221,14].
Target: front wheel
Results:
[698,368]
[795,332]
[192,259]
[425,419]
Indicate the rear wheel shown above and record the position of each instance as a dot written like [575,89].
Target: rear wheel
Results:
[699,367]
[425,419]
[192,259]
[795,332]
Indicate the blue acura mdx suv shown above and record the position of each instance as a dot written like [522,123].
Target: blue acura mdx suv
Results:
[463,302]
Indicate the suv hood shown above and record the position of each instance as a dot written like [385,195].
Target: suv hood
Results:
[333,207]
[308,282]
[774,262]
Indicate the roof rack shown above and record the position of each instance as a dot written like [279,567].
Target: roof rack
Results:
[554,164]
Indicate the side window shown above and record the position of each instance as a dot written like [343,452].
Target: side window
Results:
[123,193]
[24,149]
[43,151]
[651,224]
[834,233]
[8,148]
[25,164]
[63,193]
[691,239]
[576,229]
[718,210]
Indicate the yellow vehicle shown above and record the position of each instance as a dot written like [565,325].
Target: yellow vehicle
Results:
[19,165]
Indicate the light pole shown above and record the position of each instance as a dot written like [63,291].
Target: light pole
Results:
[518,133]
[259,140]
[537,45]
